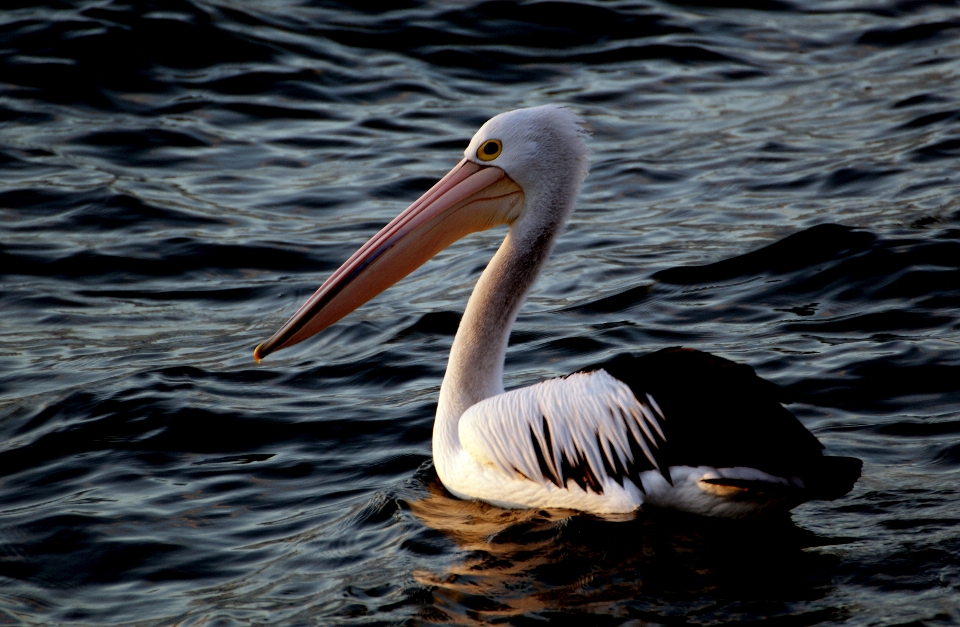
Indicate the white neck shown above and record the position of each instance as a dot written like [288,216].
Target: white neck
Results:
[475,369]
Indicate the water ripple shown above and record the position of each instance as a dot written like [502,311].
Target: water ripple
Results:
[771,181]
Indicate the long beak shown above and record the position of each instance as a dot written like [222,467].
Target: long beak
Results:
[469,198]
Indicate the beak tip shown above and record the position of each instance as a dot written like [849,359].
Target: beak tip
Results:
[257,357]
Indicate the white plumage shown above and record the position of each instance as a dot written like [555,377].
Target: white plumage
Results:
[586,418]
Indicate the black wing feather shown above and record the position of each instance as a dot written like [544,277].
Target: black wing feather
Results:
[721,414]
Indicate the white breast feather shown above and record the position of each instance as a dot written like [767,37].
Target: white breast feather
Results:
[580,410]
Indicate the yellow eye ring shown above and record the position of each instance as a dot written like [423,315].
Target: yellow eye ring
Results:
[489,150]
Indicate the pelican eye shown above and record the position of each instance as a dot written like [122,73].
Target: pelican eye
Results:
[489,150]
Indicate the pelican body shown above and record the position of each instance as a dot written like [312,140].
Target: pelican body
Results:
[677,428]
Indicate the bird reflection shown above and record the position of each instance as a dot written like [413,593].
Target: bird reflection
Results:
[649,566]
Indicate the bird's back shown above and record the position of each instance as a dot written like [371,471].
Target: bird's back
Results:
[721,414]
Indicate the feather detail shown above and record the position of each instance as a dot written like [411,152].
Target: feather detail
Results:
[587,428]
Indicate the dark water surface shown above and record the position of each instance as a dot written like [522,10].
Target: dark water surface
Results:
[775,182]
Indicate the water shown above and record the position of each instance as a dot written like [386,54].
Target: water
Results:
[178,177]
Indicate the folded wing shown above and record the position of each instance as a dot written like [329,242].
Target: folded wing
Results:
[588,428]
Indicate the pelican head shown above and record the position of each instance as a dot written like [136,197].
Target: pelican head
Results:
[522,167]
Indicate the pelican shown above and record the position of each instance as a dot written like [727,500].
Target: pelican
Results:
[677,428]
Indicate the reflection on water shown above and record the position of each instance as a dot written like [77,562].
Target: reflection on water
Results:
[653,566]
